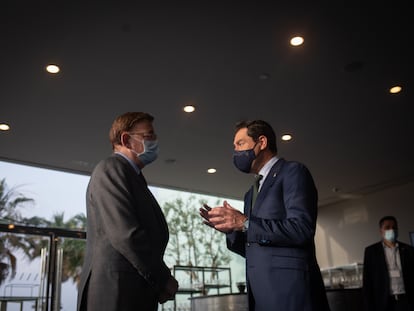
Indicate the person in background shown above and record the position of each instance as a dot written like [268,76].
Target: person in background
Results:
[276,232]
[126,230]
[388,275]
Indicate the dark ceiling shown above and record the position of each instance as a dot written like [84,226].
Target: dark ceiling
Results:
[233,62]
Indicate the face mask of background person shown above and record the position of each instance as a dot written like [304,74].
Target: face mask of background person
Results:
[390,235]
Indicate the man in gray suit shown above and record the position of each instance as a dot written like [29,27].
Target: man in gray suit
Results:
[126,230]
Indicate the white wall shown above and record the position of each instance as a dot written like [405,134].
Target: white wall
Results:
[346,228]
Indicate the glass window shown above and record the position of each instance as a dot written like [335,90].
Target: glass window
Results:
[58,197]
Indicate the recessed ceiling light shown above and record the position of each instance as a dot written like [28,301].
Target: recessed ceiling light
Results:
[295,41]
[189,108]
[52,68]
[211,170]
[395,89]
[286,137]
[4,127]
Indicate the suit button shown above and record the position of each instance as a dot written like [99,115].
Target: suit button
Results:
[248,244]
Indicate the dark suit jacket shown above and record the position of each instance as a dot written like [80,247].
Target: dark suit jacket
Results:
[281,266]
[376,281]
[126,238]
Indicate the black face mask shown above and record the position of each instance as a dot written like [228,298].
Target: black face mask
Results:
[243,159]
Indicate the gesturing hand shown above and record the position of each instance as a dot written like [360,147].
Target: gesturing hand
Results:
[223,218]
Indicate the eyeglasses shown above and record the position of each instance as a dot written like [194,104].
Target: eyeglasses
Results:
[145,136]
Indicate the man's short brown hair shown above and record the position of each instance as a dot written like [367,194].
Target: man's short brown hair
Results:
[124,123]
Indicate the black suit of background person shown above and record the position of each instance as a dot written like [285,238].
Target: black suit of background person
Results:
[127,233]
[388,277]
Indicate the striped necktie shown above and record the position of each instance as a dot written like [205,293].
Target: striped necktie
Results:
[256,185]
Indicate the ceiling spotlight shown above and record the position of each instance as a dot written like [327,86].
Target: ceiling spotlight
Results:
[286,137]
[4,127]
[395,89]
[211,170]
[295,41]
[52,68]
[189,108]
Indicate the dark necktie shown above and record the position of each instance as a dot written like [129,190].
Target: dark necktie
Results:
[256,185]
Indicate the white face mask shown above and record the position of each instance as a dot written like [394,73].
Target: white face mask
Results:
[390,235]
[150,153]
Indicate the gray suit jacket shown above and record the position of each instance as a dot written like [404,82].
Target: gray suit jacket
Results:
[126,238]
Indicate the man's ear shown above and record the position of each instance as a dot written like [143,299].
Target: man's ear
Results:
[125,140]
[263,142]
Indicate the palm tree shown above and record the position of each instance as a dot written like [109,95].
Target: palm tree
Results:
[10,201]
[73,249]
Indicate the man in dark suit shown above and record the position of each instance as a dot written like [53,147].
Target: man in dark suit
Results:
[275,233]
[126,230]
[388,275]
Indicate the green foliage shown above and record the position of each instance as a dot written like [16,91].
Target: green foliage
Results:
[73,249]
[193,243]
[10,202]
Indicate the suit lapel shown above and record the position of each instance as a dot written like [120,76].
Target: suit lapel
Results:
[142,179]
[248,202]
[269,181]
[402,250]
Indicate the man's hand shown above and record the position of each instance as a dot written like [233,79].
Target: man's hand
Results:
[170,290]
[223,218]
